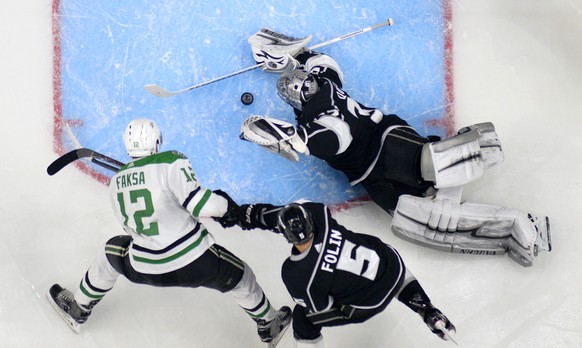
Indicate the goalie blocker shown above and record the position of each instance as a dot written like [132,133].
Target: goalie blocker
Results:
[276,51]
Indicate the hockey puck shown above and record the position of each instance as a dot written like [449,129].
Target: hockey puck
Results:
[247,98]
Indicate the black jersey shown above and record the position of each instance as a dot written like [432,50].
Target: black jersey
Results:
[339,130]
[341,267]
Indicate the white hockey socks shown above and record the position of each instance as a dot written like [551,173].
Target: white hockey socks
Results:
[249,295]
[98,280]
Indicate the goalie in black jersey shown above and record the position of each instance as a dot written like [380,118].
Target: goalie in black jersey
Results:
[336,276]
[417,179]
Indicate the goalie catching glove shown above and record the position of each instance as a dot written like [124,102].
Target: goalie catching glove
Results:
[276,51]
[274,135]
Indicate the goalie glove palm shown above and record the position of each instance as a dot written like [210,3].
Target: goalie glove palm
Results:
[274,135]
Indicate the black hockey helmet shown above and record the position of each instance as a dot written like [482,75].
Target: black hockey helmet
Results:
[295,223]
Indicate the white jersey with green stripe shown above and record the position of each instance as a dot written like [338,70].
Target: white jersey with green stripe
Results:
[158,200]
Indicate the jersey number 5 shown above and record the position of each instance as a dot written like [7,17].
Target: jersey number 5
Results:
[365,262]
[145,196]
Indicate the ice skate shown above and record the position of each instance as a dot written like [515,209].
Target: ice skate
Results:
[64,303]
[439,324]
[436,321]
[272,331]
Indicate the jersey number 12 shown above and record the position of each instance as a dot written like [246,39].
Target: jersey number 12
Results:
[138,216]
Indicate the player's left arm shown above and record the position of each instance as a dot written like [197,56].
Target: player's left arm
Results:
[199,201]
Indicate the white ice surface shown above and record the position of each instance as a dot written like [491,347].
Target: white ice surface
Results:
[517,63]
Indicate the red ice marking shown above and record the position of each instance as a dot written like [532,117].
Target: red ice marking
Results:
[57,96]
[339,207]
[58,122]
[449,119]
[447,122]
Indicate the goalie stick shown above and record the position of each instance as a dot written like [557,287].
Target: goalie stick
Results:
[97,158]
[163,93]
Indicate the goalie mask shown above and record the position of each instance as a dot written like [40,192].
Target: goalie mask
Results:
[295,223]
[296,87]
[142,138]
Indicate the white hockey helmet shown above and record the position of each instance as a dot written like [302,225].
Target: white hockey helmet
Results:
[142,138]
[296,87]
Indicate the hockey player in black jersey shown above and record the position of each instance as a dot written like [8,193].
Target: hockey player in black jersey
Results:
[417,179]
[336,276]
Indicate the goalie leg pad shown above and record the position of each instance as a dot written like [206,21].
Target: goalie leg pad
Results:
[491,150]
[453,162]
[470,228]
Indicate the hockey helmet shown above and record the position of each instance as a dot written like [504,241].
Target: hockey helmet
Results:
[295,223]
[296,87]
[142,138]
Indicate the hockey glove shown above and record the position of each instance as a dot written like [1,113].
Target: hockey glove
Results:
[274,135]
[233,216]
[253,216]
[275,50]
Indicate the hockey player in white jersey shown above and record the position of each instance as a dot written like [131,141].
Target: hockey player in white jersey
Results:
[158,201]
[417,179]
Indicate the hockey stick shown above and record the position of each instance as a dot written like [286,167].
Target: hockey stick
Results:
[97,158]
[162,93]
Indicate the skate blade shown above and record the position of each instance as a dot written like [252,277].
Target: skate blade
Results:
[549,236]
[543,240]
[277,338]
[70,322]
[441,326]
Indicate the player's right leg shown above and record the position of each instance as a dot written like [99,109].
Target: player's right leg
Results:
[75,308]
[414,297]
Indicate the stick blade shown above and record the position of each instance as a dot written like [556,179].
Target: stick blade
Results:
[67,159]
[97,158]
[158,91]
